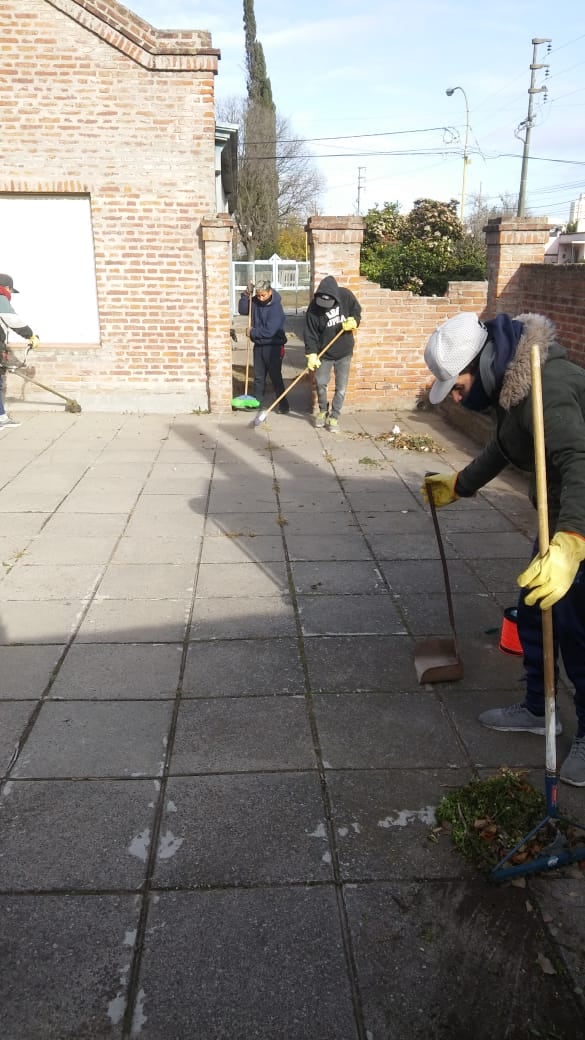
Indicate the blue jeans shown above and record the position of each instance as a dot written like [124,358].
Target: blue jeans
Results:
[323,375]
[569,641]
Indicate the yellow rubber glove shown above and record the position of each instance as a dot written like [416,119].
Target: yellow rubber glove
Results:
[313,362]
[34,342]
[349,325]
[442,487]
[550,576]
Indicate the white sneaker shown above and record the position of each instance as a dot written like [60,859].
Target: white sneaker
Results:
[6,421]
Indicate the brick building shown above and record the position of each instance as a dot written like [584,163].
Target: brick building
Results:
[108,205]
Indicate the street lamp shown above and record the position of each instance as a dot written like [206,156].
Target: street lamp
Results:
[449,92]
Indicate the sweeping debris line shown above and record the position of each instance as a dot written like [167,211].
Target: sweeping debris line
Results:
[246,400]
[262,416]
[556,856]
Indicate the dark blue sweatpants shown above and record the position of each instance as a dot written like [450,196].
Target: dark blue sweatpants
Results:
[569,638]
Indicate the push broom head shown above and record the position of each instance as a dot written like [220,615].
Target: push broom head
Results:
[260,418]
[245,401]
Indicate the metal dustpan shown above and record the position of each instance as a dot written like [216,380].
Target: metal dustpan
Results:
[437,659]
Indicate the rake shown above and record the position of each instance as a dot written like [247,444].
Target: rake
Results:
[556,854]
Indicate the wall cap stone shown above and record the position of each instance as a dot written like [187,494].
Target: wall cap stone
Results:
[172,49]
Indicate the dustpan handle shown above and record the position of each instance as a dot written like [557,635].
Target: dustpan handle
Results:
[431,499]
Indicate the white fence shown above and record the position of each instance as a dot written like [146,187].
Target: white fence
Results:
[288,275]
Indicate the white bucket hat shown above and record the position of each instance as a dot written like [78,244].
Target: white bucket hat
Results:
[450,349]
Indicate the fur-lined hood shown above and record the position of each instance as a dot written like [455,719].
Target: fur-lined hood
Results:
[517,380]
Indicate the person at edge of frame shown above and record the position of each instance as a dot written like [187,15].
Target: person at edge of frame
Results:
[482,364]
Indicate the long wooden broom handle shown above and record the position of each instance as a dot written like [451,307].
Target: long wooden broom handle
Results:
[543,544]
[248,347]
[300,375]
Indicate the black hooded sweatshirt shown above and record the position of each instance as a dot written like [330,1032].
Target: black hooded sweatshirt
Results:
[322,325]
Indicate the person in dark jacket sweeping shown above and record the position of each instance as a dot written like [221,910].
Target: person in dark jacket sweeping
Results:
[483,364]
[269,338]
[332,309]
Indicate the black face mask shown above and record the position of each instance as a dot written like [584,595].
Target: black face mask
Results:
[477,400]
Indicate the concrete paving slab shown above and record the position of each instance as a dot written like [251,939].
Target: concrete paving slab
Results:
[55,983]
[242,617]
[324,578]
[134,621]
[71,525]
[499,576]
[147,581]
[307,521]
[376,731]
[349,615]
[158,548]
[455,959]
[73,551]
[44,621]
[404,521]
[251,829]
[504,545]
[426,613]
[355,663]
[426,577]
[75,834]
[327,547]
[247,734]
[393,546]
[183,525]
[237,667]
[224,549]
[250,579]
[47,581]
[139,671]
[79,740]
[383,823]
[267,963]
[485,667]
[26,670]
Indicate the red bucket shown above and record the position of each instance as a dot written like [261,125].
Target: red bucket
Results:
[509,640]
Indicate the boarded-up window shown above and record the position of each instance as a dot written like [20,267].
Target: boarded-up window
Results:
[46,244]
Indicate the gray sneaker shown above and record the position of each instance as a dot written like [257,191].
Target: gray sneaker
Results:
[573,768]
[320,419]
[6,421]
[517,718]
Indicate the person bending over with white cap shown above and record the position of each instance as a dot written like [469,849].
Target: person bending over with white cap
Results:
[332,310]
[488,364]
[9,320]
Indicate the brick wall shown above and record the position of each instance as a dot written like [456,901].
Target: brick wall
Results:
[95,101]
[557,290]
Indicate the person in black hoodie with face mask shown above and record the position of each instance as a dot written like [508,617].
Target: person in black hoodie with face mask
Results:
[333,309]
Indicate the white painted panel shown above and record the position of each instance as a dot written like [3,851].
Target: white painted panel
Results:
[46,244]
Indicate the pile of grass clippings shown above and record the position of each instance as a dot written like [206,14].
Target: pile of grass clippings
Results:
[488,818]
[405,441]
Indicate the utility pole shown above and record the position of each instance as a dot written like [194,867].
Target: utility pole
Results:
[526,125]
[361,186]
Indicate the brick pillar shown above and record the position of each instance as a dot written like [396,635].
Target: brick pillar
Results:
[334,248]
[511,243]
[216,233]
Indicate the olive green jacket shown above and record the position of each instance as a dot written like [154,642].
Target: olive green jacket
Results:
[563,394]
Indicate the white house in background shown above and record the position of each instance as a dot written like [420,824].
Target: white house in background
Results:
[568,247]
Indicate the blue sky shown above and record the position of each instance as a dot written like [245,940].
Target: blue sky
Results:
[372,75]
